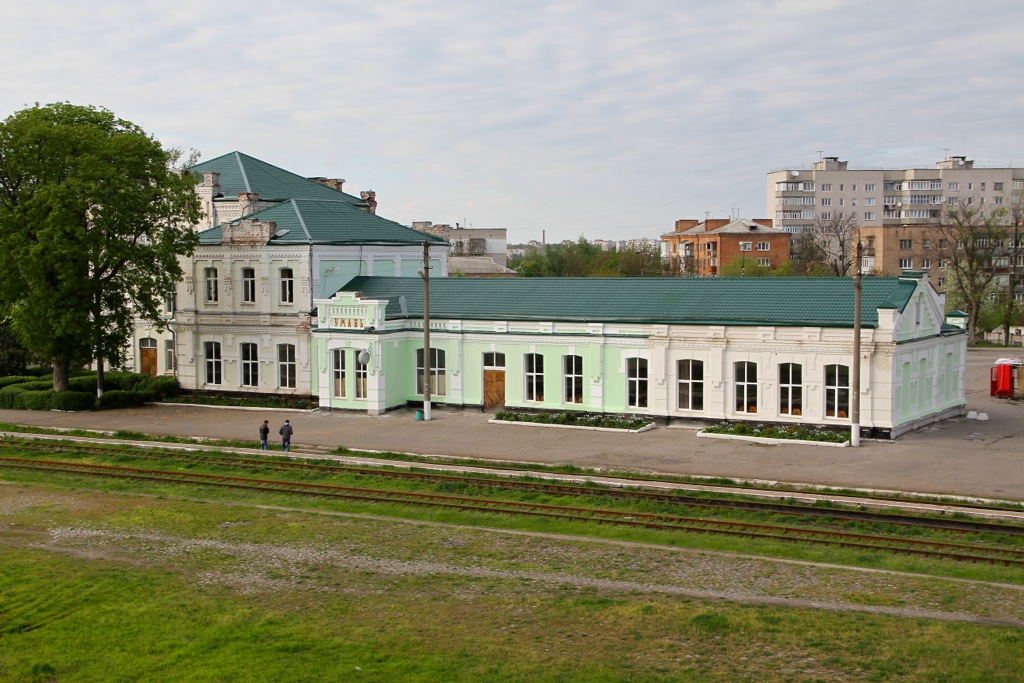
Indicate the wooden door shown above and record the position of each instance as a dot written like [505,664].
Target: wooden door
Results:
[494,388]
[148,361]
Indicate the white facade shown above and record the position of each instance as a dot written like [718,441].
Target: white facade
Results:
[884,197]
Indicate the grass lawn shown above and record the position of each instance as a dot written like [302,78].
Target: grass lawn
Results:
[106,587]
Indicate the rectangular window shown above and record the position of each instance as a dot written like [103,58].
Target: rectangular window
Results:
[906,244]
[869,201]
[572,373]
[286,366]
[171,301]
[954,187]
[362,372]
[287,286]
[533,365]
[168,355]
[338,373]
[250,364]
[438,385]
[826,187]
[213,362]
[869,187]
[826,201]
[853,188]
[691,384]
[869,215]
[997,187]
[906,263]
[636,382]
[764,262]
[970,186]
[764,246]
[210,275]
[746,246]
[926,264]
[745,386]
[791,390]
[248,285]
[826,216]
[998,200]
[837,390]
[494,360]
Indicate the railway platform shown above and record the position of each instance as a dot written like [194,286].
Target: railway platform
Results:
[962,456]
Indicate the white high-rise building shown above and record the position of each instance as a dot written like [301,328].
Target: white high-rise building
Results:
[884,197]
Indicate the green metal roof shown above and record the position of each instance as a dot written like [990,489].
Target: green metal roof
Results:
[795,301]
[243,173]
[306,211]
[314,221]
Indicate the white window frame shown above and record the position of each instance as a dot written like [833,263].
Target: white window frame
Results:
[438,372]
[764,246]
[636,382]
[249,357]
[745,386]
[533,376]
[214,363]
[287,289]
[690,384]
[791,389]
[287,375]
[837,395]
[572,379]
[248,285]
[362,376]
[211,285]
[338,373]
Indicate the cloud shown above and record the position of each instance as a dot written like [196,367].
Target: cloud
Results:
[601,117]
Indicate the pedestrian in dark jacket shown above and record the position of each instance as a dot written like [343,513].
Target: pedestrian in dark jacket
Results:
[286,432]
[264,435]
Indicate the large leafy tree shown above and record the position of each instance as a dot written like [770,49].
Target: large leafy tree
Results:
[93,218]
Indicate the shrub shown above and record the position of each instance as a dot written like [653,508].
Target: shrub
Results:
[15,379]
[84,383]
[73,401]
[118,398]
[157,388]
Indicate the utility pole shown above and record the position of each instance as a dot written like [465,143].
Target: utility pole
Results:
[425,273]
[855,380]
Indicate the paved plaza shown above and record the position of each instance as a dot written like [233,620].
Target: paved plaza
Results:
[962,456]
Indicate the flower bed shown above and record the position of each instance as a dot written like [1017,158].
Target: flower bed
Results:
[776,433]
[627,423]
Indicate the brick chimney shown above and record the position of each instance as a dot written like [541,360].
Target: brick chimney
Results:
[248,231]
[333,183]
[370,197]
[247,203]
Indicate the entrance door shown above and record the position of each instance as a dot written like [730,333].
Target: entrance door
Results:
[494,388]
[147,356]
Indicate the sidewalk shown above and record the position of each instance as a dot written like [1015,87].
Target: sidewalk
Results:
[965,457]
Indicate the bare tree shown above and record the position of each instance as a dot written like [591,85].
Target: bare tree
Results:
[969,243]
[1014,219]
[831,240]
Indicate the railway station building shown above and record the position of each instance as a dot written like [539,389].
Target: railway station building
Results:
[774,350]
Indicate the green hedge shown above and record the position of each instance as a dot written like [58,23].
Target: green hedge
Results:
[118,398]
[18,397]
[15,379]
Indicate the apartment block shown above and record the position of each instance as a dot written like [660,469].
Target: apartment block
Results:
[700,247]
[884,197]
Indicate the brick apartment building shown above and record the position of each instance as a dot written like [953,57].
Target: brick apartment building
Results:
[701,248]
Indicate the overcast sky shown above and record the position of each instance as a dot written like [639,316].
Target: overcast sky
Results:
[604,118]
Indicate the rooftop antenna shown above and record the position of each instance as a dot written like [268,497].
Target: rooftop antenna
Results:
[945,151]
[820,152]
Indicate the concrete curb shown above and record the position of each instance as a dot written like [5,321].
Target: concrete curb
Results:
[645,428]
[250,409]
[772,442]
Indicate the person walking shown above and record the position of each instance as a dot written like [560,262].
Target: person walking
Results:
[264,435]
[286,432]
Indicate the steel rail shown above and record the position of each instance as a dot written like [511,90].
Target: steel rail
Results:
[668,522]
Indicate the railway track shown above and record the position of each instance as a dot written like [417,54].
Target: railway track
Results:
[669,497]
[930,549]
